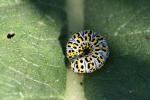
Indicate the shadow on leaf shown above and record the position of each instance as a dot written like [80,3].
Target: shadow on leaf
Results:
[55,8]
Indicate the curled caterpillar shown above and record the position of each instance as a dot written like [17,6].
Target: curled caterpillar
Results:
[87,51]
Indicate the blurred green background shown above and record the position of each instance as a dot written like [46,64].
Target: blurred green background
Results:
[33,64]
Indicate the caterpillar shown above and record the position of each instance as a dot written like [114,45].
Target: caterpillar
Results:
[87,51]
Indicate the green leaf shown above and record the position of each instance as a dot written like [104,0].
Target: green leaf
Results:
[32,62]
[125,23]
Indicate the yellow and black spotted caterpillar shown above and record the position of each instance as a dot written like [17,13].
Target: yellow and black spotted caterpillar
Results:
[87,51]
